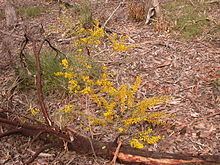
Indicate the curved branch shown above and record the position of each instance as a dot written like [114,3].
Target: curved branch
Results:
[126,154]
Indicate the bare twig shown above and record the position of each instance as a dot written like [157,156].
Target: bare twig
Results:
[55,49]
[116,153]
[37,153]
[119,5]
[40,95]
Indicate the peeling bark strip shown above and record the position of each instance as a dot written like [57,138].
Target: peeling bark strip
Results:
[155,161]
[82,145]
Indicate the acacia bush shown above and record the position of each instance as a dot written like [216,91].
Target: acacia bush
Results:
[117,108]
[97,100]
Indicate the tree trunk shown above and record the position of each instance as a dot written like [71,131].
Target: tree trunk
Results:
[156,5]
[10,14]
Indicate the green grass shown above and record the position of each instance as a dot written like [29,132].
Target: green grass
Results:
[188,19]
[31,11]
[49,65]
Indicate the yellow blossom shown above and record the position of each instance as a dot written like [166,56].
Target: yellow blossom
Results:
[34,111]
[98,32]
[150,102]
[79,50]
[88,66]
[87,80]
[68,75]
[86,90]
[73,86]
[120,129]
[133,120]
[136,143]
[104,68]
[120,47]
[136,84]
[59,74]
[65,63]
[122,96]
[96,99]
[109,110]
[96,121]
[146,137]
[67,108]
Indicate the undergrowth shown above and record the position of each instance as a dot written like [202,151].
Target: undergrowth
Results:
[189,18]
[31,11]
[118,106]
[49,65]
[98,101]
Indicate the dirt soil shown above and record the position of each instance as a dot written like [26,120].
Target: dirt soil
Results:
[168,65]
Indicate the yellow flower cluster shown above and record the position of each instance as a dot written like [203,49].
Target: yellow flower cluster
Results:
[136,143]
[34,111]
[91,36]
[97,121]
[67,108]
[65,63]
[146,136]
[118,44]
[150,102]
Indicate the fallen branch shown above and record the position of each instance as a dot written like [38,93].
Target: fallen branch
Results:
[82,145]
[38,153]
[10,132]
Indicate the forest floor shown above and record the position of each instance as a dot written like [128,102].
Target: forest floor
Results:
[169,62]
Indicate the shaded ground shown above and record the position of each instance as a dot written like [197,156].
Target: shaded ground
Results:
[169,66]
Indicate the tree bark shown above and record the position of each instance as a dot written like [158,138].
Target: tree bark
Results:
[156,5]
[10,14]
[84,145]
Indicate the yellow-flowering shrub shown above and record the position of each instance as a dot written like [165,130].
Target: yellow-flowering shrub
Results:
[64,115]
[119,105]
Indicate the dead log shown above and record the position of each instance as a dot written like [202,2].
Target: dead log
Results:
[84,145]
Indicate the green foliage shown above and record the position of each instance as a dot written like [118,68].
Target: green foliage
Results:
[49,64]
[189,19]
[85,13]
[31,11]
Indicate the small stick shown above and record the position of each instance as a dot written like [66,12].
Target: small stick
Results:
[37,153]
[112,14]
[37,50]
[116,153]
